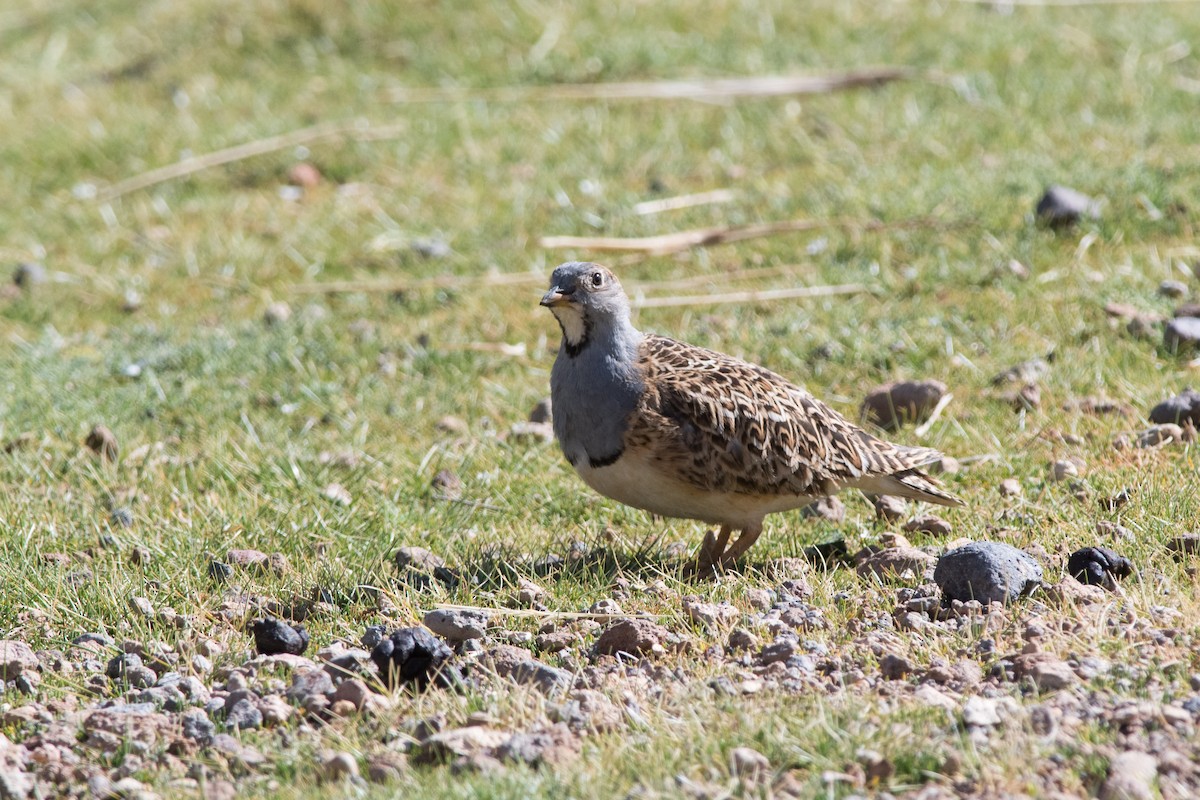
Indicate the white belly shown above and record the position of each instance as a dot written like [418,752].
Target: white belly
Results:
[636,481]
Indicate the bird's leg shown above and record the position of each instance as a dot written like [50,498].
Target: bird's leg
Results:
[738,549]
[712,548]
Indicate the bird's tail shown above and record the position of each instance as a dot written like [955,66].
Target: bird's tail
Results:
[911,484]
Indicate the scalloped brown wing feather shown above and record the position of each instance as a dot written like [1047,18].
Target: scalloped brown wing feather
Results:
[722,424]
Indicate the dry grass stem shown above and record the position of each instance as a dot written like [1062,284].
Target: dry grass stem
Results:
[669,243]
[710,89]
[762,296]
[685,201]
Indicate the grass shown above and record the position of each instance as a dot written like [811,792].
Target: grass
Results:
[239,413]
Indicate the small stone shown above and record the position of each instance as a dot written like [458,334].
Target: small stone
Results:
[542,413]
[607,606]
[274,710]
[830,509]
[1026,398]
[121,517]
[589,711]
[1186,545]
[895,404]
[1063,469]
[1061,207]
[28,273]
[749,765]
[1018,270]
[452,425]
[414,655]
[445,746]
[710,615]
[103,442]
[340,766]
[1048,673]
[741,639]
[636,637]
[220,571]
[1181,334]
[556,745]
[759,598]
[243,715]
[515,663]
[418,559]
[309,683]
[15,657]
[457,625]
[1026,372]
[372,636]
[1173,289]
[981,712]
[1130,777]
[987,572]
[277,313]
[777,651]
[386,767]
[1010,487]
[893,667]
[353,691]
[889,508]
[530,433]
[431,248]
[1099,566]
[1159,435]
[336,493]
[930,524]
[248,559]
[529,593]
[895,561]
[304,175]
[447,485]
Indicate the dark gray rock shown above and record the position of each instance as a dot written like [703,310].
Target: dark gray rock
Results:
[1182,334]
[1178,410]
[1060,206]
[987,572]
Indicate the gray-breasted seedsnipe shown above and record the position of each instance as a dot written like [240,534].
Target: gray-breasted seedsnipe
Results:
[687,432]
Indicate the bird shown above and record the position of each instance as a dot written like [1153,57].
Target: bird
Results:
[686,432]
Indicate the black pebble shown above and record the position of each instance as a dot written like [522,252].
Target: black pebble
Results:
[414,655]
[273,636]
[1061,206]
[1098,566]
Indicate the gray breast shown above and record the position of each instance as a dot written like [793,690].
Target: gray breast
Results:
[593,394]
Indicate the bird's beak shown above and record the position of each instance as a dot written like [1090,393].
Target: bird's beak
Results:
[555,297]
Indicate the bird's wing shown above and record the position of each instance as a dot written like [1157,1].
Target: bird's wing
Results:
[725,425]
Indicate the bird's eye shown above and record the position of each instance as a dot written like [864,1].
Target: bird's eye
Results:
[597,279]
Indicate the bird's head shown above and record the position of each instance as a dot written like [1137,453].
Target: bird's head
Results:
[585,298]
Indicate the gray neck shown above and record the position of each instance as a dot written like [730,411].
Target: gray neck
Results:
[594,388]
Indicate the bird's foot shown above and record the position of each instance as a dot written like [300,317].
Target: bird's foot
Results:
[709,557]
